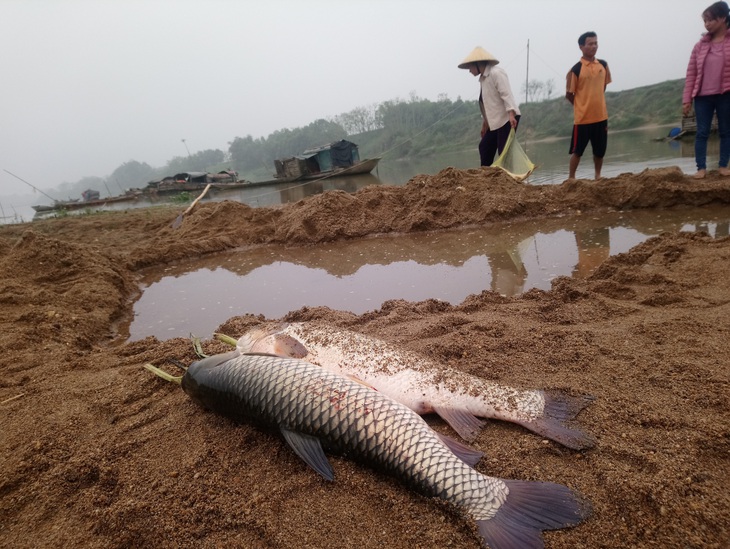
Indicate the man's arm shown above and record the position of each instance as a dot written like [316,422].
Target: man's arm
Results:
[569,94]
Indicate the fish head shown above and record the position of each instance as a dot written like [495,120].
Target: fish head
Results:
[200,372]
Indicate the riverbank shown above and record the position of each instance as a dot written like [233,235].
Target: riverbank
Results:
[96,452]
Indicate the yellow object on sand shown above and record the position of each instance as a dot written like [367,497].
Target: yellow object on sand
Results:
[514,160]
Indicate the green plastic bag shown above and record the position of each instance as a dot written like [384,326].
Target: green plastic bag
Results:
[514,160]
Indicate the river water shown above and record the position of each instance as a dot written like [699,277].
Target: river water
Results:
[629,151]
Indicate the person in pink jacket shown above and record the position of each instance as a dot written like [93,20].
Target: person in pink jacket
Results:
[708,84]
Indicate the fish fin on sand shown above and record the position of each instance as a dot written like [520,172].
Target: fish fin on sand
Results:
[465,453]
[559,408]
[461,421]
[287,345]
[530,508]
[309,448]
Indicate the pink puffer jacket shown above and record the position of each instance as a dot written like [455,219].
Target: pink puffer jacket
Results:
[696,67]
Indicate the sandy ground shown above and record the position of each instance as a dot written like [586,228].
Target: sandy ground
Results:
[97,452]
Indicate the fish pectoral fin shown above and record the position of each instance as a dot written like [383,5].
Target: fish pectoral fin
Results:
[309,448]
[286,345]
[464,423]
[465,453]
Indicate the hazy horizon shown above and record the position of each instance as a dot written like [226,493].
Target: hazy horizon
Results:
[95,84]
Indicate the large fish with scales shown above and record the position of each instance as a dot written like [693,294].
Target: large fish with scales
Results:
[311,406]
[423,385]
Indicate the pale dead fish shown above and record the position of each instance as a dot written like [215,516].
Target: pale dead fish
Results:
[423,385]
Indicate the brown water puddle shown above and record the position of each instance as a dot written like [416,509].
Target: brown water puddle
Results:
[360,275]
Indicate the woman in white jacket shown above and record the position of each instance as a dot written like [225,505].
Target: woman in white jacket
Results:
[499,109]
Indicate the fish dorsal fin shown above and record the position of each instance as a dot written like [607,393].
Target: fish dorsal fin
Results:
[468,455]
[286,345]
[310,450]
[464,423]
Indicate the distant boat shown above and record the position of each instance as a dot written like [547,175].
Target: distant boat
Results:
[338,158]
[689,124]
[89,199]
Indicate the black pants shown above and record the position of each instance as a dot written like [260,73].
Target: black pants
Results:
[493,142]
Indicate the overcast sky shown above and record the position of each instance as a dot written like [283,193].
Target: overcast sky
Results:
[87,85]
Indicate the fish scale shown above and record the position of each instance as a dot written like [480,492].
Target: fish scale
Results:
[311,405]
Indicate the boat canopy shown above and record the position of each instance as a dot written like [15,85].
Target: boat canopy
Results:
[192,177]
[340,154]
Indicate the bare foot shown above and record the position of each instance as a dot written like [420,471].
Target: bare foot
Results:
[700,174]
[724,171]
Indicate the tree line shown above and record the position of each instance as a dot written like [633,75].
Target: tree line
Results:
[401,128]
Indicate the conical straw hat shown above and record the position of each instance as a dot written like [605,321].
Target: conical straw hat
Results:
[478,54]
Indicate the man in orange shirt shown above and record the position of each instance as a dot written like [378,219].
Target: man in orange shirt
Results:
[586,90]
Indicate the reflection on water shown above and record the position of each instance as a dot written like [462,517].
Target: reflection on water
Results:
[358,276]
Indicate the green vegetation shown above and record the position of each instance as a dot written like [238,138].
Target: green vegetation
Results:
[400,129]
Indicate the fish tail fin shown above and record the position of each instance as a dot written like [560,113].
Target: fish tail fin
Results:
[560,407]
[530,508]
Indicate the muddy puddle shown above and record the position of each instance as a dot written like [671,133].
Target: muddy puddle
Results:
[358,276]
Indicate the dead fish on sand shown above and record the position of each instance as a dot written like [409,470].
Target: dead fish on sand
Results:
[421,384]
[310,406]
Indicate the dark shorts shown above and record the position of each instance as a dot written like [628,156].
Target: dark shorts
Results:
[596,134]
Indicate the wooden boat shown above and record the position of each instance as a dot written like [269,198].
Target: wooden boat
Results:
[80,204]
[689,124]
[338,158]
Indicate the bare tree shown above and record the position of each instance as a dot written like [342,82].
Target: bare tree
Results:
[537,90]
